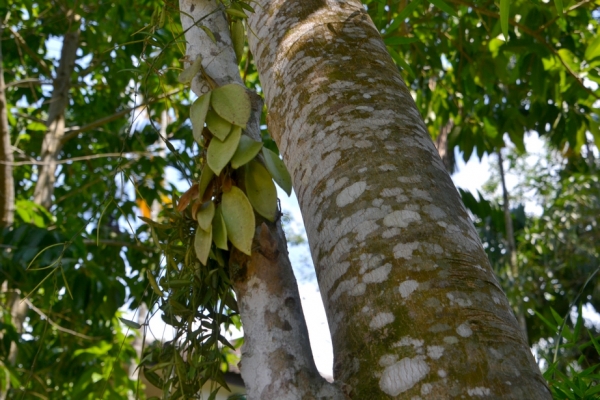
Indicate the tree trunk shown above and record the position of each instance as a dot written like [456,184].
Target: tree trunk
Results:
[412,302]
[7,186]
[52,144]
[277,361]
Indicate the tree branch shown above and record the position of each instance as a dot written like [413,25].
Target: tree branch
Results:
[76,159]
[31,53]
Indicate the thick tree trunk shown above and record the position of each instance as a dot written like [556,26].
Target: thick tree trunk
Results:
[7,187]
[52,144]
[412,302]
[276,359]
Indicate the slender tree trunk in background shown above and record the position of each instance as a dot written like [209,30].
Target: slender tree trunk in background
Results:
[412,302]
[7,186]
[443,147]
[511,248]
[276,359]
[52,144]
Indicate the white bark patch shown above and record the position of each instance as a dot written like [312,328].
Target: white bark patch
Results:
[496,300]
[464,330]
[435,352]
[388,359]
[421,194]
[377,275]
[459,298]
[401,218]
[479,391]
[434,212]
[408,341]
[390,233]
[403,375]
[426,389]
[351,193]
[451,339]
[407,287]
[441,373]
[358,290]
[387,167]
[381,320]
[405,250]
[364,228]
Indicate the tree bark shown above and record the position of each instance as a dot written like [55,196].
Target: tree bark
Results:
[52,143]
[7,186]
[276,359]
[412,302]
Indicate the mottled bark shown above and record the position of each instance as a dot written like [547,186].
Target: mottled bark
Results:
[52,143]
[412,302]
[7,187]
[276,359]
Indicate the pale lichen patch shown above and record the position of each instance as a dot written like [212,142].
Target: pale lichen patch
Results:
[441,373]
[405,250]
[464,330]
[426,388]
[478,391]
[451,339]
[435,352]
[350,194]
[403,375]
[401,218]
[407,287]
[382,319]
[388,359]
[408,341]
[378,275]
[459,298]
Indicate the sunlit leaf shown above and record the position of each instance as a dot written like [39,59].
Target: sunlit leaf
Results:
[232,103]
[261,190]
[205,215]
[246,151]
[239,219]
[219,153]
[278,170]
[190,72]
[202,243]
[198,113]
[219,127]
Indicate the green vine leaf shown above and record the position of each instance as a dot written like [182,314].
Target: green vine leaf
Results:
[206,176]
[239,219]
[198,113]
[232,103]
[219,153]
[219,127]
[205,215]
[130,324]
[246,151]
[278,170]
[219,230]
[202,243]
[261,190]
[238,38]
[190,72]
[504,14]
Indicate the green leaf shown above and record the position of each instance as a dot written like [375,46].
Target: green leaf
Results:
[130,324]
[442,5]
[398,19]
[239,219]
[205,177]
[219,153]
[190,72]
[219,127]
[198,113]
[238,38]
[261,190]
[205,215]
[208,33]
[400,61]
[559,7]
[232,103]
[202,242]
[236,13]
[593,49]
[246,151]
[504,14]
[153,284]
[219,230]
[278,170]
[396,40]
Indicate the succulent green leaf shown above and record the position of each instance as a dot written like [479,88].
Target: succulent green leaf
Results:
[278,170]
[219,230]
[198,113]
[239,219]
[130,324]
[205,215]
[261,190]
[219,127]
[190,72]
[202,243]
[504,14]
[246,151]
[205,177]
[219,153]
[232,103]
[238,38]
[236,13]
[209,33]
